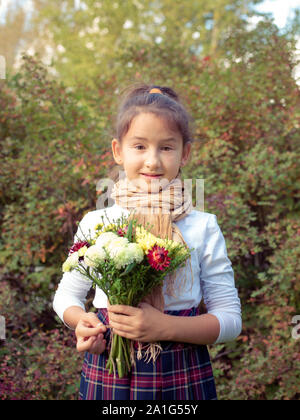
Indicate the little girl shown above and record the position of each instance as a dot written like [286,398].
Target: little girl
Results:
[153,141]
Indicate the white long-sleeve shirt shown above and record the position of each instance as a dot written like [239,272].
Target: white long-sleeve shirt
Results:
[213,275]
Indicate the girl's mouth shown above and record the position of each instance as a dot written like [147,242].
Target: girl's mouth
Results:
[152,176]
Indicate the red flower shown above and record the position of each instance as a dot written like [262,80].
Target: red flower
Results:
[77,246]
[158,258]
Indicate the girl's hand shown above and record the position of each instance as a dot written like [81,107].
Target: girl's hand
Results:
[145,323]
[89,333]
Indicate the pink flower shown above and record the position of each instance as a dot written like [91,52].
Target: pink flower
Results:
[122,231]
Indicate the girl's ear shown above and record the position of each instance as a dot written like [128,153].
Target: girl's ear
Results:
[116,149]
[186,153]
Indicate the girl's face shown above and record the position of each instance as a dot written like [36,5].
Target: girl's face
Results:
[150,152]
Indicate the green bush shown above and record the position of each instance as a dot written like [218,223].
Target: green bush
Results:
[35,363]
[53,156]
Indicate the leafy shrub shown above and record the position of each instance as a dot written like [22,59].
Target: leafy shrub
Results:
[35,364]
[51,149]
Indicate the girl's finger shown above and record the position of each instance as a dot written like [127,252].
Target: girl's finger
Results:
[123,309]
[121,327]
[98,346]
[89,331]
[84,345]
[92,322]
[117,317]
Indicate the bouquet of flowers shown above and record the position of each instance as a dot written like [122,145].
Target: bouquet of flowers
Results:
[127,262]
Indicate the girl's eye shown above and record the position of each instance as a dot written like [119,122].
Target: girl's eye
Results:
[165,147]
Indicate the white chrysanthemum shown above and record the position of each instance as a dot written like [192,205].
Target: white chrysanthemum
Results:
[70,262]
[105,238]
[126,255]
[136,252]
[113,245]
[94,255]
[120,257]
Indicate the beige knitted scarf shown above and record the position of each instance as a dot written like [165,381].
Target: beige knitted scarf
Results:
[170,203]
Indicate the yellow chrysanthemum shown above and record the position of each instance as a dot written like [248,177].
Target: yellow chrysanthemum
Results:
[110,228]
[99,226]
[163,243]
[145,239]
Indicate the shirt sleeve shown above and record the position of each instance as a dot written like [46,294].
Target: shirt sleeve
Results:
[73,286]
[217,283]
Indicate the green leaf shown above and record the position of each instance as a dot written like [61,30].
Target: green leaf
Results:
[129,231]
[128,269]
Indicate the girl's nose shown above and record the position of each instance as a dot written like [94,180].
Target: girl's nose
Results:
[152,160]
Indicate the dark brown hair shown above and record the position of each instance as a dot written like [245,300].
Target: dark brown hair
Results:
[137,98]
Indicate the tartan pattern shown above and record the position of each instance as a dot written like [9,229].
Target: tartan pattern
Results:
[181,372]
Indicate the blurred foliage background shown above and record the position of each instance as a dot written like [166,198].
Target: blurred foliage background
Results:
[239,82]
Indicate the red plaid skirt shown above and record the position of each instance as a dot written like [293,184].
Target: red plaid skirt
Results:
[182,371]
